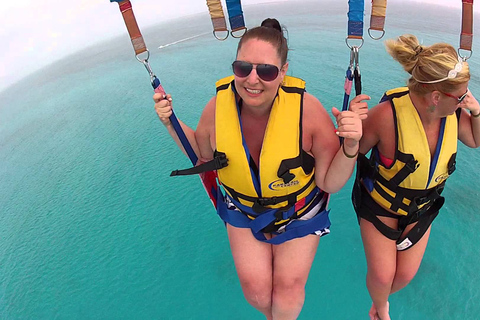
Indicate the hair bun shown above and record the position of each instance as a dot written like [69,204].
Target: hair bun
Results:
[272,23]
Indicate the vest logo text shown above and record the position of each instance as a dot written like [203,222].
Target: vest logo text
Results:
[279,184]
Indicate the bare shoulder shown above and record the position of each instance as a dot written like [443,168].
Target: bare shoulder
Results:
[210,107]
[205,133]
[207,118]
[378,129]
[318,129]
[312,108]
[380,116]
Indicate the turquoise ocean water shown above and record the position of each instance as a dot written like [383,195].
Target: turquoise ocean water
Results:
[93,227]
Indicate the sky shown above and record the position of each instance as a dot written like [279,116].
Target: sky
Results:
[36,33]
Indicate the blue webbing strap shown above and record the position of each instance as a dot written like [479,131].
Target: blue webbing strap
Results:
[177,127]
[355,18]
[235,15]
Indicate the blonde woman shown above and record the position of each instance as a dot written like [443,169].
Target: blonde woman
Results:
[412,135]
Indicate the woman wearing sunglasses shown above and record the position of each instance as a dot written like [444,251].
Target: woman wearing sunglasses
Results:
[412,135]
[284,159]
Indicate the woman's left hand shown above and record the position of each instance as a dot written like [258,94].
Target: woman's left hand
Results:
[470,103]
[349,126]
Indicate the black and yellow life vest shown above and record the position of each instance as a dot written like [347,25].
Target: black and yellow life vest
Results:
[285,172]
[415,179]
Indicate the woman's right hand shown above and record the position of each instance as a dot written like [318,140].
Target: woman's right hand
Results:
[360,106]
[163,107]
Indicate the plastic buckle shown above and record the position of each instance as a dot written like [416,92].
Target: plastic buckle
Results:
[412,166]
[419,200]
[287,177]
[267,201]
[221,161]
[279,215]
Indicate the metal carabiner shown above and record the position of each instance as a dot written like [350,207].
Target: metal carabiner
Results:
[354,50]
[147,65]
[352,58]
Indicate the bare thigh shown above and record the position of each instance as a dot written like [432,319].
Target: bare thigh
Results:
[409,261]
[293,259]
[380,252]
[253,259]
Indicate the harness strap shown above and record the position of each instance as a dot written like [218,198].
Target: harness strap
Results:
[466,35]
[219,161]
[132,26]
[218,18]
[235,16]
[300,228]
[260,203]
[410,166]
[424,222]
[365,207]
[355,19]
[294,229]
[377,18]
[304,160]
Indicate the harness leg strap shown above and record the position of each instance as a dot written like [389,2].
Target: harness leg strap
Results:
[424,222]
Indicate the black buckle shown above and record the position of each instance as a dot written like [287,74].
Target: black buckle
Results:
[419,200]
[412,166]
[287,177]
[279,215]
[267,201]
[221,160]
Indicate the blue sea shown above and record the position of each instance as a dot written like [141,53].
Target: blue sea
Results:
[93,227]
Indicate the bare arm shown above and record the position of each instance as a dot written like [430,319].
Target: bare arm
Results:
[205,133]
[163,107]
[469,126]
[333,164]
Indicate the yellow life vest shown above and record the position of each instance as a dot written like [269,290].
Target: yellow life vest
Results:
[414,174]
[285,172]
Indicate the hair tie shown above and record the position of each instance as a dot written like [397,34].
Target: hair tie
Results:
[418,49]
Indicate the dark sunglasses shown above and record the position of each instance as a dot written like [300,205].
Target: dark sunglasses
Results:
[459,99]
[266,72]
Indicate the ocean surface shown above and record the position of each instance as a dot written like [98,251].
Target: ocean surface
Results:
[93,227]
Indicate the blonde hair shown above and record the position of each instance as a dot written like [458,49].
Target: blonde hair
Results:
[430,66]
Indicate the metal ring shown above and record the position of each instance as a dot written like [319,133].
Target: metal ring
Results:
[348,45]
[464,58]
[370,34]
[221,39]
[146,59]
[239,36]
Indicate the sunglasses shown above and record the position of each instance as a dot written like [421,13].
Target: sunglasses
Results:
[266,72]
[459,99]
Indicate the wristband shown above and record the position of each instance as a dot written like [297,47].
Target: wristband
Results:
[475,115]
[348,155]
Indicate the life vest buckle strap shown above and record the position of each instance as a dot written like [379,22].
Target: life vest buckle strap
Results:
[287,177]
[220,160]
[268,201]
[429,199]
[411,166]
[282,214]
[452,164]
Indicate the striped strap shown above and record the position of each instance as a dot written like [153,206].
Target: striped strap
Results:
[218,18]
[140,47]
[377,18]
[466,35]
[235,15]
[355,19]
[132,26]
